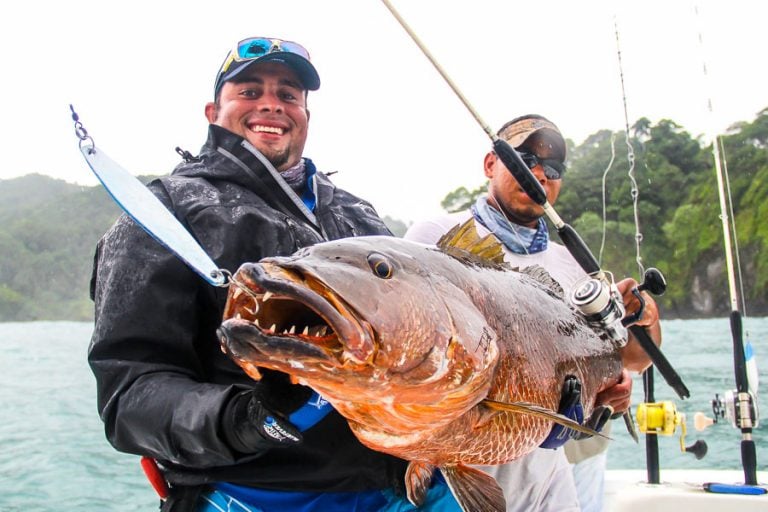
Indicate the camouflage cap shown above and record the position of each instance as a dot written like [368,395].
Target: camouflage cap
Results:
[519,130]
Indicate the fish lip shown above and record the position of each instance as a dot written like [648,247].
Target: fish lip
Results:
[235,335]
[287,281]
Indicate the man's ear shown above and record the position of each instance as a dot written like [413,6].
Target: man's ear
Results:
[211,112]
[488,163]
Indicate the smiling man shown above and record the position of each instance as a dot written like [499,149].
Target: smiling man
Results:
[165,390]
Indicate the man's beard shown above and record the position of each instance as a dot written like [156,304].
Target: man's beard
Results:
[278,158]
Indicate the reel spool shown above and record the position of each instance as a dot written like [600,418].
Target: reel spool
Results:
[663,418]
[602,305]
[740,409]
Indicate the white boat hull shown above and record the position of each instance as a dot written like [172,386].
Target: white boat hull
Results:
[627,490]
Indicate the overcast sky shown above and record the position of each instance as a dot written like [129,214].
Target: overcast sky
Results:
[139,74]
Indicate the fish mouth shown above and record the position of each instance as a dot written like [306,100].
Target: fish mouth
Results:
[286,315]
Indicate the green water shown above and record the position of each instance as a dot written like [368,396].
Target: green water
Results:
[53,454]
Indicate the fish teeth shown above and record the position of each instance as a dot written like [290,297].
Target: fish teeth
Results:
[257,322]
[266,296]
[305,332]
[292,330]
[237,293]
[274,326]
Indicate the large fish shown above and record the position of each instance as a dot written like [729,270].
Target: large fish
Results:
[443,356]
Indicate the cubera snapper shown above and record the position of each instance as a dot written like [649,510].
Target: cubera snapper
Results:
[443,356]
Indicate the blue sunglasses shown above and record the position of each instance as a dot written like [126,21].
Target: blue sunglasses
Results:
[256,47]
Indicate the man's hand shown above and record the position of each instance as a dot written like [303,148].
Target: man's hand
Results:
[618,395]
[633,356]
[250,426]
[610,403]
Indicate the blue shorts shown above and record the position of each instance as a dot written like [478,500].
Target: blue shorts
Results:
[226,498]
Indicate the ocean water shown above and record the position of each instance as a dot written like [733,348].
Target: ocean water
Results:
[54,456]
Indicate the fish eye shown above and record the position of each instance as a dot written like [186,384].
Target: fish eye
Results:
[380,265]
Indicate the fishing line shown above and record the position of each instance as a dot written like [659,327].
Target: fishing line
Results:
[651,441]
[512,225]
[634,191]
[605,200]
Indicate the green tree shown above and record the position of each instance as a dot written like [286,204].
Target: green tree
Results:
[461,198]
[677,208]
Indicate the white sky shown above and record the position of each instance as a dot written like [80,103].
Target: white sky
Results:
[139,74]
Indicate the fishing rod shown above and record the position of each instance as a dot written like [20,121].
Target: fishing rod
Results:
[598,297]
[739,405]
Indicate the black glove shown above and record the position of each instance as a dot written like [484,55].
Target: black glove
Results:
[250,427]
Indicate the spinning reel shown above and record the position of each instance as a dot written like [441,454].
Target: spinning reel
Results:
[602,305]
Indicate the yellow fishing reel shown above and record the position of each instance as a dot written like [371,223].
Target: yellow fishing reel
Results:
[663,418]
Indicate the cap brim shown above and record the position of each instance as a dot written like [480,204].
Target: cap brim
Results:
[518,133]
[303,68]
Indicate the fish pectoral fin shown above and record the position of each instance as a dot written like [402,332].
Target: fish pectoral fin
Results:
[541,412]
[474,490]
[485,415]
[418,477]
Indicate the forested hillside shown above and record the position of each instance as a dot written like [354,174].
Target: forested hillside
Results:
[48,233]
[49,228]
[678,209]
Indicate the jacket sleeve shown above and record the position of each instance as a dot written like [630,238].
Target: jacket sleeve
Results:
[153,340]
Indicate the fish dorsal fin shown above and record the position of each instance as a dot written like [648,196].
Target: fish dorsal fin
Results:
[474,489]
[541,412]
[540,275]
[418,478]
[463,242]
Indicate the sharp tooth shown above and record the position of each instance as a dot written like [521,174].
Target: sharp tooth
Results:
[255,307]
[266,297]
[239,316]
[292,330]
[274,326]
[305,332]
[257,323]
[323,331]
[237,293]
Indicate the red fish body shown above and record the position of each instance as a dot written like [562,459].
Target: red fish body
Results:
[414,344]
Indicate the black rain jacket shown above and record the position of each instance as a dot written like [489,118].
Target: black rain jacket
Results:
[163,382]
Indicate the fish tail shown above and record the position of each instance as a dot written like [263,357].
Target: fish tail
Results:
[474,490]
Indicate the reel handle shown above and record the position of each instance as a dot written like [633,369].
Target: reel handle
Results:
[653,281]
[698,449]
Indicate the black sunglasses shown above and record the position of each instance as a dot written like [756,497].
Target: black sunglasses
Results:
[553,168]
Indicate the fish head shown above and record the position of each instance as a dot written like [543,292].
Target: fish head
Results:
[367,322]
